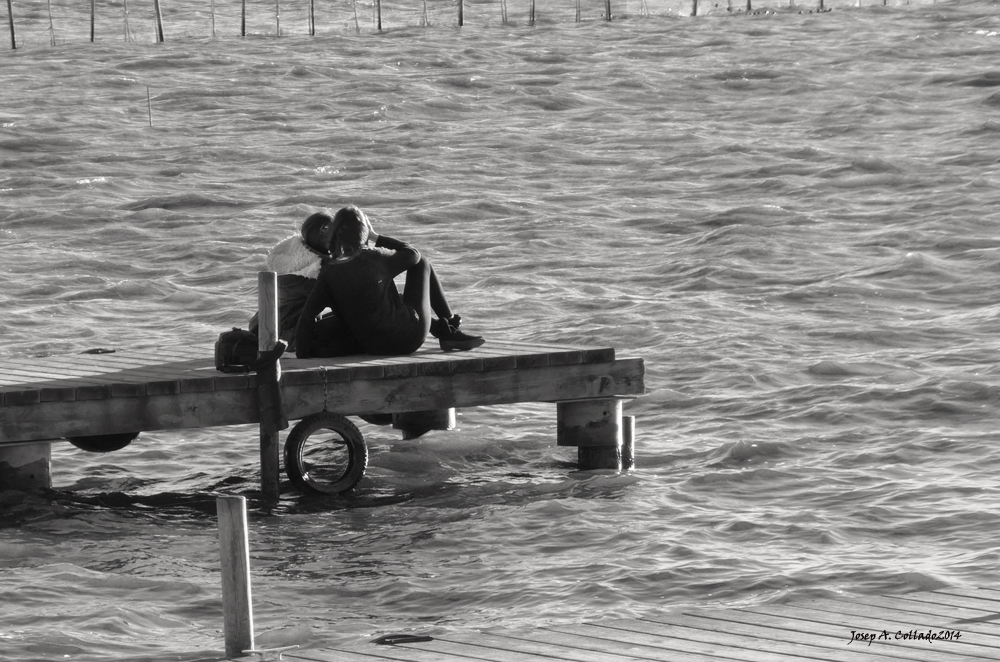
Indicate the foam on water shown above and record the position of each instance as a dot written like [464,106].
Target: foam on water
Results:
[790,217]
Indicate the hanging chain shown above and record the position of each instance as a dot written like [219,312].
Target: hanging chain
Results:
[326,389]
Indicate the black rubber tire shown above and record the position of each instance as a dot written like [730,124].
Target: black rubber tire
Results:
[103,443]
[376,419]
[307,478]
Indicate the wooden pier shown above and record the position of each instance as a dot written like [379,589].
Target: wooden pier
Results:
[964,623]
[95,395]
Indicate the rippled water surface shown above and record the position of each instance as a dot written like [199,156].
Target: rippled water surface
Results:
[792,217]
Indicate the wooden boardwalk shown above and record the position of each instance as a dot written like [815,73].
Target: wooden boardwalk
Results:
[178,387]
[805,630]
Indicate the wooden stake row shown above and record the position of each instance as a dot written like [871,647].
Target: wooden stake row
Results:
[376,18]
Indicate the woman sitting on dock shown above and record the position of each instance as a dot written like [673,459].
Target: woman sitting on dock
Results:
[357,283]
[297,260]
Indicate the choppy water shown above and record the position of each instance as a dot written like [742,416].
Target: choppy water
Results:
[791,217]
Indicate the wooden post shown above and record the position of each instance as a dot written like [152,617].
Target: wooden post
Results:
[213,19]
[503,11]
[749,7]
[267,384]
[312,18]
[577,11]
[417,423]
[52,27]
[128,36]
[243,19]
[461,13]
[531,13]
[10,18]
[234,553]
[159,21]
[628,443]
[694,7]
[378,9]
[277,18]
[607,9]
[26,467]
[595,427]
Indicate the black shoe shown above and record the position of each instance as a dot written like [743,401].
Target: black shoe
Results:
[442,327]
[456,340]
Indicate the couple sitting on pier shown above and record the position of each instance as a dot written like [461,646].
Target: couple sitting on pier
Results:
[341,264]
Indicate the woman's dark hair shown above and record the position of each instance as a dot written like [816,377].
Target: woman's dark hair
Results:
[311,229]
[352,230]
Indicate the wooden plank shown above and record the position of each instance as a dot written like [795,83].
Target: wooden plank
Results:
[548,650]
[739,622]
[53,420]
[741,644]
[889,621]
[926,615]
[397,653]
[472,389]
[641,647]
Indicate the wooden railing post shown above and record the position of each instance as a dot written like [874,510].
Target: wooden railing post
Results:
[234,553]
[628,443]
[272,415]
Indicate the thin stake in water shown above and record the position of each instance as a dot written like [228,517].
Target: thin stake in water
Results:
[277,18]
[149,107]
[424,21]
[312,18]
[577,11]
[128,31]
[52,29]
[531,13]
[378,6]
[607,9]
[93,13]
[10,16]
[461,13]
[503,11]
[243,20]
[357,26]
[213,19]
[159,21]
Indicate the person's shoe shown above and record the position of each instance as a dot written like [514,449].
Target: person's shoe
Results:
[456,340]
[442,327]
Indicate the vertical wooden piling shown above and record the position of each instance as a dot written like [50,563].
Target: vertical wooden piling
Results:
[607,9]
[628,443]
[595,428]
[577,11]
[694,7]
[277,18]
[503,11]
[159,21]
[234,553]
[531,12]
[267,338]
[461,13]
[357,24]
[213,19]
[378,9]
[10,18]
[93,16]
[749,7]
[243,18]
[312,18]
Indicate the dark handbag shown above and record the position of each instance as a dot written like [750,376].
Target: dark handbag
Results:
[235,351]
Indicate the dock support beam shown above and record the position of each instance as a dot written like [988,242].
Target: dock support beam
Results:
[272,415]
[26,467]
[595,428]
[417,423]
[234,554]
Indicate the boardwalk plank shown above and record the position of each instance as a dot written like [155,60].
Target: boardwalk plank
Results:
[832,652]
[921,614]
[882,621]
[646,647]
[756,625]
[548,650]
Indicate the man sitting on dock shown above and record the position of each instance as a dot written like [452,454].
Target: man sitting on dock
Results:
[371,316]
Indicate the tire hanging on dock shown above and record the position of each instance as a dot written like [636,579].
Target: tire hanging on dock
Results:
[103,443]
[326,463]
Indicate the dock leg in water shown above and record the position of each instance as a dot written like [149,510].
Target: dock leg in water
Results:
[26,467]
[417,423]
[595,428]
